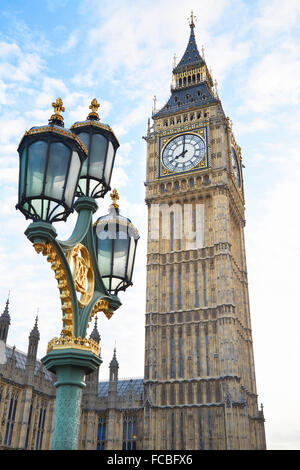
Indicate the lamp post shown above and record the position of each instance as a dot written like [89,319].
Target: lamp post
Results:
[94,264]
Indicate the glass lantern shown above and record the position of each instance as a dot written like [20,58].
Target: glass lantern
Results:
[115,242]
[51,158]
[102,145]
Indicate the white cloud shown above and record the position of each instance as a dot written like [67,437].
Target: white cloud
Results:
[51,88]
[70,43]
[119,178]
[277,16]
[225,52]
[256,125]
[273,82]
[9,50]
[10,128]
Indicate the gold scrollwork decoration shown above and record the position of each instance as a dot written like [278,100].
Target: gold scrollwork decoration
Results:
[83,273]
[101,305]
[47,249]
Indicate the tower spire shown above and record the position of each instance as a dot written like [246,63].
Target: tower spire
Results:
[192,84]
[95,333]
[191,57]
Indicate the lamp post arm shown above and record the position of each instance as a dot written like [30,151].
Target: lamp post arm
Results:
[99,302]
[85,207]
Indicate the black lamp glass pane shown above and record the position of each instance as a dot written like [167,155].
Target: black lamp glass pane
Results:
[84,168]
[130,259]
[72,179]
[36,167]
[106,282]
[105,248]
[97,155]
[57,170]
[82,185]
[37,207]
[114,283]
[85,138]
[94,187]
[109,162]
[22,172]
[54,209]
[121,247]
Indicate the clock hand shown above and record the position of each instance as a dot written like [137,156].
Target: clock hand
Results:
[180,155]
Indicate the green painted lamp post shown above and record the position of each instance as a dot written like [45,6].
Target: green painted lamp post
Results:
[94,264]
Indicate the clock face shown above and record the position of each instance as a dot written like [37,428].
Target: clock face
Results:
[183,153]
[235,167]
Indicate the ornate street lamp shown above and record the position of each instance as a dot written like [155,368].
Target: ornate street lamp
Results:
[55,166]
[102,145]
[50,161]
[115,240]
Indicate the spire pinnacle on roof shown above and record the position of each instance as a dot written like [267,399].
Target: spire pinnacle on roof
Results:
[35,331]
[154,103]
[95,333]
[191,19]
[5,315]
[114,361]
[216,88]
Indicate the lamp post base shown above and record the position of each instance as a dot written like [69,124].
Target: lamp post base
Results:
[70,367]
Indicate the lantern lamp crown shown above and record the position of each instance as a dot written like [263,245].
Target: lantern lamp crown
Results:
[57,118]
[93,115]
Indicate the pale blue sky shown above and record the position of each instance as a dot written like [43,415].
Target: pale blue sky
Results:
[121,52]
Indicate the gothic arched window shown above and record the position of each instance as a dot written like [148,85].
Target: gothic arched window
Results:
[129,432]
[101,437]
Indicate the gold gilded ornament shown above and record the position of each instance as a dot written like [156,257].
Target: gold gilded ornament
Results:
[94,109]
[101,305]
[58,108]
[84,344]
[83,273]
[47,249]
[115,197]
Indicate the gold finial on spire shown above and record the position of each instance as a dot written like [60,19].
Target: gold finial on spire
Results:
[191,19]
[94,107]
[58,108]
[115,197]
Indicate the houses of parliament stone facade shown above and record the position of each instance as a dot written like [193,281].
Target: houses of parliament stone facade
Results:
[199,387]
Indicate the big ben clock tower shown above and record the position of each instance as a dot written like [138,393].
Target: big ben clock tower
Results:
[200,387]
